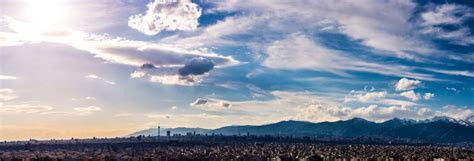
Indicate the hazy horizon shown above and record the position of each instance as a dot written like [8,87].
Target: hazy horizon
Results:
[86,68]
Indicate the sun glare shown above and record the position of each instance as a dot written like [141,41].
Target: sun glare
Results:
[46,12]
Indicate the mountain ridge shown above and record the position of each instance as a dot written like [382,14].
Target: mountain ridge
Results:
[437,129]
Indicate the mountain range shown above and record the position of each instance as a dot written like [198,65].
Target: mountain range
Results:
[437,129]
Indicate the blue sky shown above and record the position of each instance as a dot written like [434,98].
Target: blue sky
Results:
[108,68]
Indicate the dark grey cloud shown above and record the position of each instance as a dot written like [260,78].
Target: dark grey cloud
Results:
[148,66]
[196,66]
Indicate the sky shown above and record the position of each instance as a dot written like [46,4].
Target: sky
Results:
[107,68]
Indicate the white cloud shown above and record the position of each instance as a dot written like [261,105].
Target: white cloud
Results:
[92,76]
[215,35]
[448,14]
[405,84]
[296,106]
[24,108]
[6,77]
[371,96]
[138,74]
[383,26]
[90,98]
[167,15]
[188,80]
[428,96]
[211,105]
[7,94]
[454,72]
[455,112]
[371,112]
[380,98]
[87,110]
[120,50]
[452,89]
[300,52]
[411,95]
[310,107]
[116,49]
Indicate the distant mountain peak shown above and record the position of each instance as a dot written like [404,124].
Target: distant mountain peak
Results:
[399,122]
[436,129]
[442,118]
[358,119]
[464,122]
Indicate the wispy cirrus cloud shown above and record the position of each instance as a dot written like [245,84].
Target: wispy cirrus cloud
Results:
[115,49]
[435,17]
[300,52]
[24,108]
[6,77]
[7,94]
[95,77]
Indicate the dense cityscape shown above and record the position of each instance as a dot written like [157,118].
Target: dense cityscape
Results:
[210,147]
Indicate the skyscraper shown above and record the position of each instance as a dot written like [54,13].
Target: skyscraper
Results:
[158,130]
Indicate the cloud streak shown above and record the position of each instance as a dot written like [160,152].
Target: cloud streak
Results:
[7,94]
[95,77]
[300,52]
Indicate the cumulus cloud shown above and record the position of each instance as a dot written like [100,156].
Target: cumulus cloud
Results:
[196,66]
[297,106]
[138,74]
[6,77]
[371,112]
[405,84]
[428,96]
[167,15]
[374,97]
[7,94]
[311,107]
[411,95]
[455,112]
[369,96]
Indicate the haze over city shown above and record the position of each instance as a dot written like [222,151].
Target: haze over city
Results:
[110,68]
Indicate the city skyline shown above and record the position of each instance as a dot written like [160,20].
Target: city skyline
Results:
[83,68]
